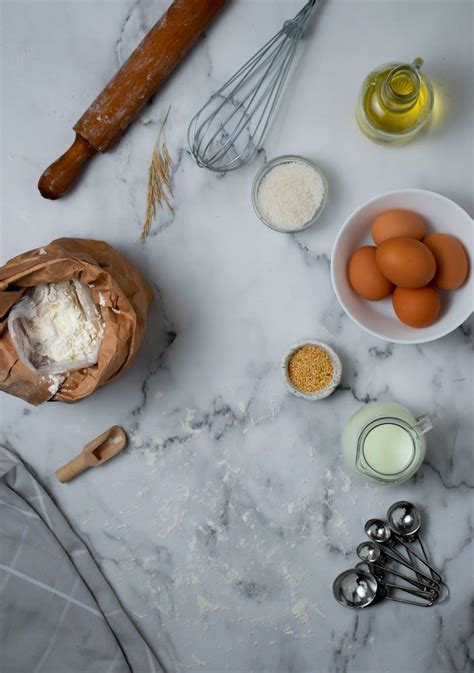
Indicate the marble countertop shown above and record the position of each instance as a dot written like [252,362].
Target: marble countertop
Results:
[224,524]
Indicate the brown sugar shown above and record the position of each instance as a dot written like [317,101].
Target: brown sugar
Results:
[310,369]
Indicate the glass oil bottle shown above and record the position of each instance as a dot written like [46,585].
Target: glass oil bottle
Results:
[395,102]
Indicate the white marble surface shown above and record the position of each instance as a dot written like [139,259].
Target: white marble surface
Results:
[223,525]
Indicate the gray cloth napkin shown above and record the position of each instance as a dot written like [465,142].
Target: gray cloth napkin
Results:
[57,612]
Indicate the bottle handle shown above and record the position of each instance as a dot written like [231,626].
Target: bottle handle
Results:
[426,422]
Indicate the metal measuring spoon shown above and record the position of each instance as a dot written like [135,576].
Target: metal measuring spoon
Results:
[372,555]
[358,589]
[383,588]
[405,521]
[380,532]
[372,552]
[379,572]
[369,551]
[355,588]
[376,570]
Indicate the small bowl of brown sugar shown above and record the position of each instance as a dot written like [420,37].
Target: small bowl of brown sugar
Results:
[311,369]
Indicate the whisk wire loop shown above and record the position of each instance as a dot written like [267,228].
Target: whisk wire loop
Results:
[229,129]
[244,106]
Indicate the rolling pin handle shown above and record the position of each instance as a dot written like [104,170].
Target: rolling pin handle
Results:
[62,174]
[72,469]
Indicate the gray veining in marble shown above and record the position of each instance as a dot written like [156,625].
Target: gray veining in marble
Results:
[223,525]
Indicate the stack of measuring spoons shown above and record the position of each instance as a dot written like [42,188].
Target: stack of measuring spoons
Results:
[393,562]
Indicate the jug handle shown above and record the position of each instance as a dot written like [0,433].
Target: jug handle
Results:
[426,422]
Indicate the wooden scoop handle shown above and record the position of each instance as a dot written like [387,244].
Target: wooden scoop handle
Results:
[72,469]
[63,173]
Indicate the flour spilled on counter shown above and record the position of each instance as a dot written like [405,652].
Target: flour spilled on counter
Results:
[344,482]
[137,440]
[149,562]
[339,482]
[300,612]
[150,457]
[287,576]
[206,607]
[198,661]
[194,584]
[187,423]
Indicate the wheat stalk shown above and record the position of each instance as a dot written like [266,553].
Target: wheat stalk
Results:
[160,189]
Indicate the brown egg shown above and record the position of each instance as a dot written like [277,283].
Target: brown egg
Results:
[406,262]
[417,308]
[451,261]
[396,223]
[365,277]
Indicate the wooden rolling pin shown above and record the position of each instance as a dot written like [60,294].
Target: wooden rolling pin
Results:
[130,89]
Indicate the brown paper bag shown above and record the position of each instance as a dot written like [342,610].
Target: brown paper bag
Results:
[123,298]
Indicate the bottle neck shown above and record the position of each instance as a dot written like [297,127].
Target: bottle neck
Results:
[401,87]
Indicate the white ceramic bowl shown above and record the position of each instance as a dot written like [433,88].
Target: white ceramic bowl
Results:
[377,317]
[319,394]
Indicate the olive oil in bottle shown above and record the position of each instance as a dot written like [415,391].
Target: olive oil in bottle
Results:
[395,102]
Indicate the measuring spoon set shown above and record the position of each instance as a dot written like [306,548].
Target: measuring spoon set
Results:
[390,564]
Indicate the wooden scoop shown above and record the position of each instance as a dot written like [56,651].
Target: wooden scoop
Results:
[130,89]
[97,452]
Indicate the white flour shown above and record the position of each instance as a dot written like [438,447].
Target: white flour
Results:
[56,381]
[300,612]
[60,328]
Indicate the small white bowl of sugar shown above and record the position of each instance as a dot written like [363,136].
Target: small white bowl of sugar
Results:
[289,193]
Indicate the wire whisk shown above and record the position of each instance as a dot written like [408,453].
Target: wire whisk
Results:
[229,129]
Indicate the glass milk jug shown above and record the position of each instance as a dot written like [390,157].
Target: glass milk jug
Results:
[383,442]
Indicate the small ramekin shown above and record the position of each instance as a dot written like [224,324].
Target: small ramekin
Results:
[324,392]
[285,159]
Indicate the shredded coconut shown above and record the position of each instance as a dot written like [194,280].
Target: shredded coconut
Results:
[289,195]
[60,329]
